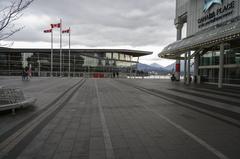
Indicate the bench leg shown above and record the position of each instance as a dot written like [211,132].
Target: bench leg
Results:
[13,112]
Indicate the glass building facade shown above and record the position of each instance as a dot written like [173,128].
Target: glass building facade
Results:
[209,65]
[82,63]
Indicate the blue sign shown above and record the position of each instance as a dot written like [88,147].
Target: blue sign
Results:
[209,3]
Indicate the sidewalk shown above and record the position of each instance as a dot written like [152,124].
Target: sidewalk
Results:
[107,119]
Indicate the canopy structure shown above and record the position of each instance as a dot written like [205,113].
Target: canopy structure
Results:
[134,53]
[206,38]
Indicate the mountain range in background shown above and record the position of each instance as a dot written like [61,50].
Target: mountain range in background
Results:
[154,67]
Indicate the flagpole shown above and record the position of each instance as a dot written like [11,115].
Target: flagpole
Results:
[69,53]
[52,53]
[60,47]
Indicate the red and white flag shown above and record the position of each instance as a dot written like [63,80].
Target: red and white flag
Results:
[58,25]
[66,31]
[47,31]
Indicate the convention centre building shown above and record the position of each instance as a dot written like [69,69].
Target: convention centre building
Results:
[79,62]
[212,41]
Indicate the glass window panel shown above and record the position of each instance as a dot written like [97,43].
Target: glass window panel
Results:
[109,55]
[121,57]
[115,56]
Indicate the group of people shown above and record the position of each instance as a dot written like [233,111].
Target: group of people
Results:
[26,73]
[115,74]
[173,78]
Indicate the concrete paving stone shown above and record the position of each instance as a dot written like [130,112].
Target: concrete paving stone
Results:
[33,148]
[213,139]
[50,127]
[96,132]
[84,127]
[82,135]
[135,144]
[54,138]
[74,125]
[141,155]
[119,142]
[81,156]
[147,141]
[24,157]
[70,134]
[96,125]
[115,132]
[231,152]
[55,120]
[43,135]
[81,152]
[60,129]
[156,152]
[188,153]
[167,143]
[140,132]
[81,147]
[97,155]
[123,153]
[62,155]
[97,143]
[65,122]
[47,151]
[128,134]
[85,119]
[65,146]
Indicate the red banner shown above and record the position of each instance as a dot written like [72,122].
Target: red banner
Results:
[177,67]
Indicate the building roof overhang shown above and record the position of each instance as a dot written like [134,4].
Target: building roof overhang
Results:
[204,39]
[134,53]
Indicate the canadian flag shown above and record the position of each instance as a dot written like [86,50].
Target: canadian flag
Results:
[56,25]
[47,31]
[66,31]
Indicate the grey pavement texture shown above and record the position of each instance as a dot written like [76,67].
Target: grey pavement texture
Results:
[110,118]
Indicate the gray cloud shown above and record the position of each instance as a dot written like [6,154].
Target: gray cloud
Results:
[102,22]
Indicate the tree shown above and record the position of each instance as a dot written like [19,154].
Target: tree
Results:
[9,14]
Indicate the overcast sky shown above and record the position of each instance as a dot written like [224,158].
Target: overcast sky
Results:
[127,24]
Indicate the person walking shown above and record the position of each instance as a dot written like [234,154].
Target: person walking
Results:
[26,73]
[29,72]
[23,74]
[117,74]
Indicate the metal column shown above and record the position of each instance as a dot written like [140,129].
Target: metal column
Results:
[189,67]
[51,74]
[196,65]
[221,63]
[185,68]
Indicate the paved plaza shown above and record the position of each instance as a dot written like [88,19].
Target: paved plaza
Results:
[121,119]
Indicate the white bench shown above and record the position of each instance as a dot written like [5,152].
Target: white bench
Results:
[12,98]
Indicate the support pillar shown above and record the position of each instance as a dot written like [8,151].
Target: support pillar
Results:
[185,68]
[221,63]
[188,67]
[196,69]
[177,70]
[179,27]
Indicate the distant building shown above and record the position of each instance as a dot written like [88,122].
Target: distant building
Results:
[213,39]
[83,62]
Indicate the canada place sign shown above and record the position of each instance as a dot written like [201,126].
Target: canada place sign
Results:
[208,4]
[211,16]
